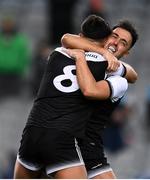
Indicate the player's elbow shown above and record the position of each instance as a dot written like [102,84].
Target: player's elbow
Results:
[94,94]
[133,79]
[87,92]
[64,39]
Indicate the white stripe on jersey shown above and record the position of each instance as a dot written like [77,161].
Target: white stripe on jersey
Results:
[60,49]
[93,56]
[90,56]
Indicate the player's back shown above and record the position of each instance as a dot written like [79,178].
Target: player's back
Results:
[59,102]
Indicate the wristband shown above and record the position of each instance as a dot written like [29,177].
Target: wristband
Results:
[118,86]
[121,71]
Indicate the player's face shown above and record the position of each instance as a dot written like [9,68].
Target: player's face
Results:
[119,42]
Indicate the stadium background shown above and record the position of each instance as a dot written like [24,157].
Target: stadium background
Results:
[35,22]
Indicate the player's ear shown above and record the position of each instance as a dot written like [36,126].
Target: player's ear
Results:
[80,34]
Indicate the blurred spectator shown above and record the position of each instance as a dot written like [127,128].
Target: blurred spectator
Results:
[8,166]
[60,16]
[114,138]
[147,122]
[38,65]
[14,58]
[96,7]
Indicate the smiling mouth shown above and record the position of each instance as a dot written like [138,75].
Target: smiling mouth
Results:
[111,49]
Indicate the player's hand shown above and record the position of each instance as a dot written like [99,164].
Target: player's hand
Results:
[113,62]
[75,53]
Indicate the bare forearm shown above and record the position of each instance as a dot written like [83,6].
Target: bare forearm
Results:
[85,78]
[78,42]
[88,85]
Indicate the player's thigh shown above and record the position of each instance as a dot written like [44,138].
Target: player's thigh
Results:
[78,172]
[20,172]
[105,175]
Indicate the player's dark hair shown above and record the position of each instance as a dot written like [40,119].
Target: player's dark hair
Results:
[125,24]
[95,27]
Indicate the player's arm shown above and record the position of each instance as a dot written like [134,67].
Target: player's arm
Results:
[130,73]
[125,70]
[72,41]
[113,87]
[101,90]
[87,83]
[77,42]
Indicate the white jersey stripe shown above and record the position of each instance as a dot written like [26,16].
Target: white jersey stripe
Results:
[90,56]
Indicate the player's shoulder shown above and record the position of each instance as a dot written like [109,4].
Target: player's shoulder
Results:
[93,56]
[61,50]
[57,52]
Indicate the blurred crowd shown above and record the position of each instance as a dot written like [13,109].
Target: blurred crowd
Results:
[22,66]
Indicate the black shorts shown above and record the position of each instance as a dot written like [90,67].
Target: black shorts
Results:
[94,157]
[50,149]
